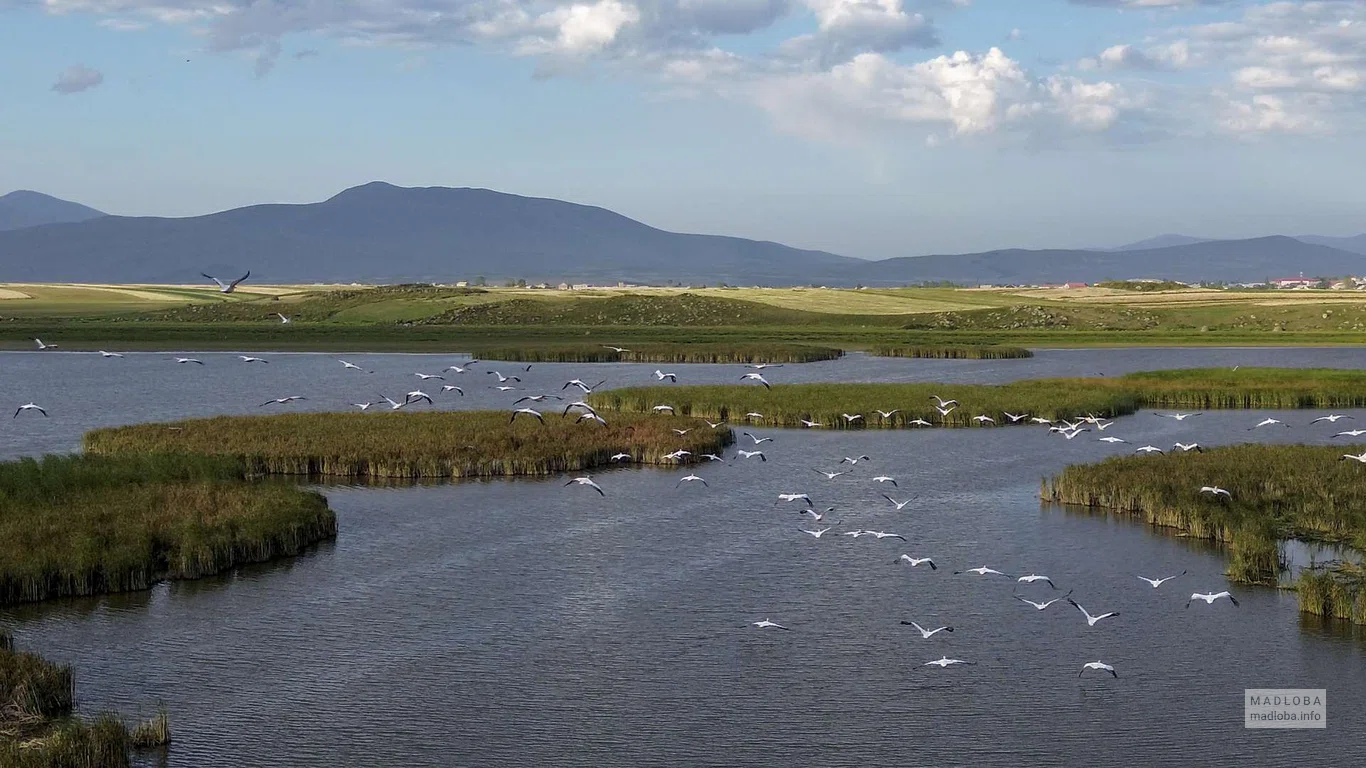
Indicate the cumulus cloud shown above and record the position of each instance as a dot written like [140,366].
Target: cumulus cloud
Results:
[847,28]
[77,78]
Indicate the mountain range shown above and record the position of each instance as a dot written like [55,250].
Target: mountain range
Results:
[380,233]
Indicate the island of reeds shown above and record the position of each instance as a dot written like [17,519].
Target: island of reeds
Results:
[38,729]
[1277,492]
[787,405]
[953,352]
[648,352]
[428,444]
[86,525]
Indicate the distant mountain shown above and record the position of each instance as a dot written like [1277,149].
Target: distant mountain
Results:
[1161,241]
[382,233]
[31,209]
[1234,260]
[1355,244]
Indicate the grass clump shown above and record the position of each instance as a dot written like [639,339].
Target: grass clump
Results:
[953,352]
[1278,492]
[786,405]
[85,525]
[1246,388]
[776,352]
[440,444]
[1337,590]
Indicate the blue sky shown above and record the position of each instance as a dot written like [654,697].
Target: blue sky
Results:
[871,128]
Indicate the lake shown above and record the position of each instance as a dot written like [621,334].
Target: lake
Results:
[519,622]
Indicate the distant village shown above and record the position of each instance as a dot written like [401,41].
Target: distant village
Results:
[1300,283]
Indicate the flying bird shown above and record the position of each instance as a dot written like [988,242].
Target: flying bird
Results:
[759,377]
[1188,447]
[751,454]
[1332,418]
[352,366]
[762,366]
[1091,620]
[588,481]
[189,360]
[757,440]
[1351,433]
[847,460]
[42,346]
[1159,582]
[109,354]
[887,414]
[816,534]
[830,475]
[618,350]
[926,633]
[1267,422]
[1177,416]
[453,388]
[982,571]
[283,320]
[503,379]
[1033,577]
[283,400]
[427,376]
[227,287]
[29,407]
[663,409]
[662,376]
[1097,665]
[529,412]
[590,417]
[900,505]
[810,424]
[1040,606]
[942,402]
[1015,419]
[850,418]
[946,662]
[1209,598]
[914,561]
[984,419]
[250,359]
[692,479]
[886,479]
[765,624]
[417,394]
[1216,490]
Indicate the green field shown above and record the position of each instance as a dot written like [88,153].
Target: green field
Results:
[425,317]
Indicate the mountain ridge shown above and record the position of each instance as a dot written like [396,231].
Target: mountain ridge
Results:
[25,208]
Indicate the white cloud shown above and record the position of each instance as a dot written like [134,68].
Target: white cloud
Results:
[77,78]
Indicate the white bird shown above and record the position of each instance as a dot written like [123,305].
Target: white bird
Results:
[1159,582]
[1361,458]
[1091,620]
[919,423]
[453,388]
[1149,449]
[1178,416]
[817,516]
[887,414]
[1188,447]
[754,415]
[587,390]
[250,359]
[830,475]
[363,406]
[1113,439]
[503,379]
[766,624]
[758,440]
[590,417]
[982,571]
[1033,577]
[900,505]
[677,455]
[886,479]
[662,376]
[283,320]
[762,366]
[351,366]
[1073,433]
[946,662]
[926,633]
[576,404]
[717,425]
[417,394]
[527,411]
[621,457]
[712,457]
[505,388]
[109,354]
[884,535]
[455,368]
[1210,597]
[691,479]
[618,350]
[227,287]
[1041,420]
[856,534]
[796,497]
[588,481]
[759,377]
[847,460]
[1040,606]
[1104,426]
[394,405]
[1216,490]
[1351,433]
[1268,422]
[850,418]
[1332,418]
[663,409]
[984,419]
[29,407]
[751,454]
[42,346]
[682,432]
[189,360]
[1097,665]
[283,400]
[945,411]
[1014,419]
[914,561]
[816,534]
[942,402]
[427,376]
[810,424]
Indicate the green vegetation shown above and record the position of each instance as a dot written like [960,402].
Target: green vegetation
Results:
[85,525]
[1142,286]
[1246,388]
[36,727]
[416,445]
[659,353]
[1336,590]
[954,352]
[1277,492]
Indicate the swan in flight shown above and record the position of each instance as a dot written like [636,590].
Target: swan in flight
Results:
[283,400]
[227,287]
[529,412]
[618,350]
[588,481]
[427,376]
[759,377]
[810,424]
[847,460]
[945,663]
[926,633]
[1033,577]
[109,354]
[751,454]
[914,561]
[816,534]
[189,360]
[663,409]
[29,407]
[417,394]
[1159,582]
[757,440]
[283,320]
[503,379]
[850,418]
[662,376]
[830,475]
[982,571]
[886,479]
[1216,490]
[1097,665]
[1209,598]
[1040,606]
[765,624]
[42,346]
[250,359]
[1150,449]
[942,402]
[1091,620]
[1267,422]
[1188,447]
[900,505]
[1332,418]
[1178,416]
[887,414]
[692,479]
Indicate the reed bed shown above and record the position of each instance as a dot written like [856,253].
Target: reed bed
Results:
[428,444]
[1278,492]
[659,353]
[85,525]
[786,405]
[1338,590]
[1246,388]
[953,352]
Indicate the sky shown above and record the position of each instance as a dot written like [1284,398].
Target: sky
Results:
[870,128]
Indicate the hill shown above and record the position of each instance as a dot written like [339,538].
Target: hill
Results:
[1355,244]
[1161,241]
[31,209]
[382,233]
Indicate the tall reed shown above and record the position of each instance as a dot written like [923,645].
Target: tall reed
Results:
[953,352]
[1338,590]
